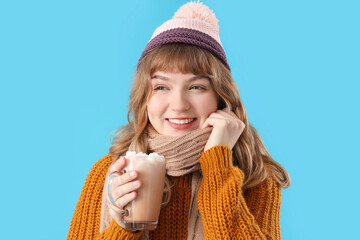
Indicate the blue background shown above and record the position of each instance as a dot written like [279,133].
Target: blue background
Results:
[66,67]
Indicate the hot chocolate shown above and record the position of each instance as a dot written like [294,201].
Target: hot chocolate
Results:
[145,209]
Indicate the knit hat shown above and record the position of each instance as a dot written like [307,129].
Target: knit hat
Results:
[194,23]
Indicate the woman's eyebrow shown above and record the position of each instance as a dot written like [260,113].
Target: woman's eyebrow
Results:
[167,79]
[160,77]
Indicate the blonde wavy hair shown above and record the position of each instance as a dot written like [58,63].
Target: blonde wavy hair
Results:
[249,153]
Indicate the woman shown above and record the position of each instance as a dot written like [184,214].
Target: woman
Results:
[184,104]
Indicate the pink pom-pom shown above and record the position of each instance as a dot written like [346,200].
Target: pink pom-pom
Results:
[197,10]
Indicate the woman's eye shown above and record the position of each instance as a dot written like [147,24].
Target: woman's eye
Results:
[160,88]
[197,87]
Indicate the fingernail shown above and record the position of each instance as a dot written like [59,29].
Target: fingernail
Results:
[136,184]
[133,174]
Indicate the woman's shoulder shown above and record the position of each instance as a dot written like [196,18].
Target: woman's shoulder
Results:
[102,164]
[106,159]
[268,182]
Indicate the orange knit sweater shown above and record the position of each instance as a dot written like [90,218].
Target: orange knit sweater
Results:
[227,212]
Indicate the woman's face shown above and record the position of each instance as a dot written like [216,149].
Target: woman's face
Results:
[180,103]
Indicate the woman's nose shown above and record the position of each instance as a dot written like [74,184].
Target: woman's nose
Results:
[179,102]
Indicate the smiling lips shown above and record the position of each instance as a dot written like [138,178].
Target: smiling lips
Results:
[180,123]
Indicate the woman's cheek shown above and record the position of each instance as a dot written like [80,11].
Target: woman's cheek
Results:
[208,104]
[156,104]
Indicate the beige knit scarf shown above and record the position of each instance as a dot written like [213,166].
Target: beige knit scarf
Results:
[182,156]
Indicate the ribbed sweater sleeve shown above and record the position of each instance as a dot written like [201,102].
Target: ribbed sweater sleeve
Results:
[85,223]
[228,213]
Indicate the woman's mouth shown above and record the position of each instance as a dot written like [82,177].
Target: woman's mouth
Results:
[180,123]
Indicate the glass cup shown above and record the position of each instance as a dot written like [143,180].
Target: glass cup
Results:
[144,210]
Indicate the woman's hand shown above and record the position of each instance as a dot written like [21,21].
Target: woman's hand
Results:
[122,189]
[227,128]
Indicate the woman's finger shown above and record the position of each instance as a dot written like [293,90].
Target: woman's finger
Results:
[228,116]
[220,114]
[210,121]
[124,200]
[118,165]
[125,189]
[123,179]
[213,116]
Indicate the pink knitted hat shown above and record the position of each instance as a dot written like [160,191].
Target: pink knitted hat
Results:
[194,23]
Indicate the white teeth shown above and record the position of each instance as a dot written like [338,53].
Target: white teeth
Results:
[182,121]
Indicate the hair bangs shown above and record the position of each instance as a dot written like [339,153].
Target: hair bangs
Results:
[180,57]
